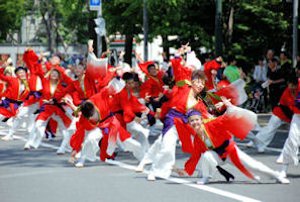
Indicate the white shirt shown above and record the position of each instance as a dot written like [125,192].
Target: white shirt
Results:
[260,73]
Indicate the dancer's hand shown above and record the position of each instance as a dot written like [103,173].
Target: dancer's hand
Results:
[180,172]
[226,101]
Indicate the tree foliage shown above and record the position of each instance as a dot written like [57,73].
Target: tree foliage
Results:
[11,13]
[249,26]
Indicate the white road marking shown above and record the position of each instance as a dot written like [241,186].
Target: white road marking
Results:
[190,184]
[172,179]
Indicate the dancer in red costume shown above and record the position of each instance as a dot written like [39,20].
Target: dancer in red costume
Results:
[213,144]
[290,150]
[281,114]
[16,92]
[127,109]
[152,90]
[83,88]
[210,70]
[52,107]
[31,104]
[162,152]
[96,114]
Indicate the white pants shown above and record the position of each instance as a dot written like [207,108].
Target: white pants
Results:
[210,159]
[24,111]
[164,160]
[291,146]
[129,145]
[140,133]
[35,137]
[267,133]
[90,145]
[152,151]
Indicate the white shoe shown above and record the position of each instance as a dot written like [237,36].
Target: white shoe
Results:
[282,174]
[80,163]
[203,180]
[151,177]
[250,144]
[257,178]
[140,168]
[27,146]
[283,180]
[72,160]
[7,138]
[61,151]
[77,156]
[280,159]
[260,149]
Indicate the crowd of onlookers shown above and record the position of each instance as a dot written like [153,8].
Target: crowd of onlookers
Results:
[266,80]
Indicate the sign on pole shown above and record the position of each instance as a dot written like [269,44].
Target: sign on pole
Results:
[100,29]
[95,5]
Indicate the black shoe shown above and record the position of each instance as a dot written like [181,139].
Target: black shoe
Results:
[225,173]
[5,119]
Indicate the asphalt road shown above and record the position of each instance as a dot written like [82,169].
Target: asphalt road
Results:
[42,176]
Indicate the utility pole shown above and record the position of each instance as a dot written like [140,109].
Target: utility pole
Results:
[218,28]
[96,5]
[99,37]
[295,31]
[145,26]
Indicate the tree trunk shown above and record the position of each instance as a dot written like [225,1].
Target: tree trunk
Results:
[128,49]
[48,12]
[230,25]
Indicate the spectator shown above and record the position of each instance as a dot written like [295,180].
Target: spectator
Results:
[285,64]
[260,71]
[231,72]
[276,82]
[270,54]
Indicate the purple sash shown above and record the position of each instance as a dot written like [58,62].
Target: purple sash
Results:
[169,119]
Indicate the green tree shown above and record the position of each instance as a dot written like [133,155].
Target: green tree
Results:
[257,25]
[11,13]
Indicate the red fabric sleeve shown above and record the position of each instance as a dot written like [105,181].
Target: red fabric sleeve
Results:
[192,162]
[185,133]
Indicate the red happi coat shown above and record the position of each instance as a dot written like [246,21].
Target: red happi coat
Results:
[182,75]
[13,93]
[208,67]
[294,108]
[179,102]
[50,109]
[31,60]
[287,99]
[82,90]
[218,131]
[107,120]
[2,89]
[103,81]
[153,86]
[35,85]
[125,105]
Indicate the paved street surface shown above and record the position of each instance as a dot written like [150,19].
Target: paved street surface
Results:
[42,176]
